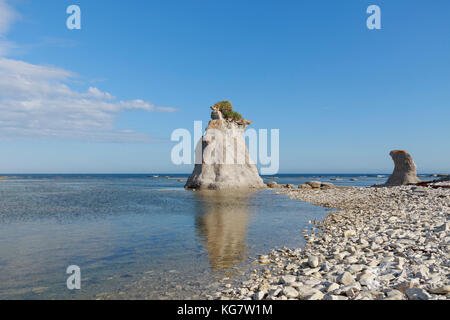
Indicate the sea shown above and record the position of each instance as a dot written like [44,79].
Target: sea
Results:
[142,236]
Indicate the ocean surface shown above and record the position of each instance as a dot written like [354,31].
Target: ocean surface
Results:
[141,236]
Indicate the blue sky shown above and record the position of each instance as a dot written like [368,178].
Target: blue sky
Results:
[106,98]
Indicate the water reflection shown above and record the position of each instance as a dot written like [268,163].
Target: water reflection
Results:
[222,224]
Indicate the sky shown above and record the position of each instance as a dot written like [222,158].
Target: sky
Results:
[106,98]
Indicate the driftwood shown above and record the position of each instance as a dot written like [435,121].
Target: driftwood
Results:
[429,184]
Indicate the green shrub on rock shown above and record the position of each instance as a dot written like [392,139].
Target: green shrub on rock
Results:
[226,108]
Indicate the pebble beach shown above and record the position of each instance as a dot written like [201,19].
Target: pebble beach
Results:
[377,243]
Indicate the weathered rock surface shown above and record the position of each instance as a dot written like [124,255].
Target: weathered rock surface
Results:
[225,162]
[272,184]
[314,184]
[405,170]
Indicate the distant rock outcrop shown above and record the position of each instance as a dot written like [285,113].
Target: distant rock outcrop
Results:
[317,185]
[405,170]
[272,184]
[225,162]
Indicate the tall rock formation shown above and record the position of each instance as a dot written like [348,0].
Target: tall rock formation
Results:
[405,170]
[222,159]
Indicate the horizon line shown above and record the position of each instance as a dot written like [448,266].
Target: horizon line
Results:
[187,173]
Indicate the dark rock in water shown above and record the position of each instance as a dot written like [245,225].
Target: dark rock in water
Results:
[317,185]
[314,184]
[405,170]
[272,184]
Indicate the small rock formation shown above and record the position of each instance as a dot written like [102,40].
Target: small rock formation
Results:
[405,171]
[225,162]
[317,185]
[314,184]
[272,184]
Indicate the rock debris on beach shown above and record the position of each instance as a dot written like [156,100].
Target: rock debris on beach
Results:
[389,243]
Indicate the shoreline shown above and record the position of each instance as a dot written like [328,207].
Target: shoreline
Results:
[378,243]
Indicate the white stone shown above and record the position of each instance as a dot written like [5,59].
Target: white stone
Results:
[288,279]
[346,278]
[313,261]
[290,292]
[334,297]
[316,296]
[304,292]
[332,287]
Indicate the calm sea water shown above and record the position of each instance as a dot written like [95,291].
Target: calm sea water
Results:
[139,236]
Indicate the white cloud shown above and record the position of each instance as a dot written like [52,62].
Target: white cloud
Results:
[95,93]
[37,101]
[7,17]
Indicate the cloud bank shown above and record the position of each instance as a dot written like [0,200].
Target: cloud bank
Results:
[37,101]
[7,16]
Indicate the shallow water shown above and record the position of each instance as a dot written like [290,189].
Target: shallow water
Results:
[137,236]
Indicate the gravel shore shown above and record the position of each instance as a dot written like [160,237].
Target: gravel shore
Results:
[379,243]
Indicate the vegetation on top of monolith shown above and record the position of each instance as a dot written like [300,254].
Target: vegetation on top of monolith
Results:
[226,108]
